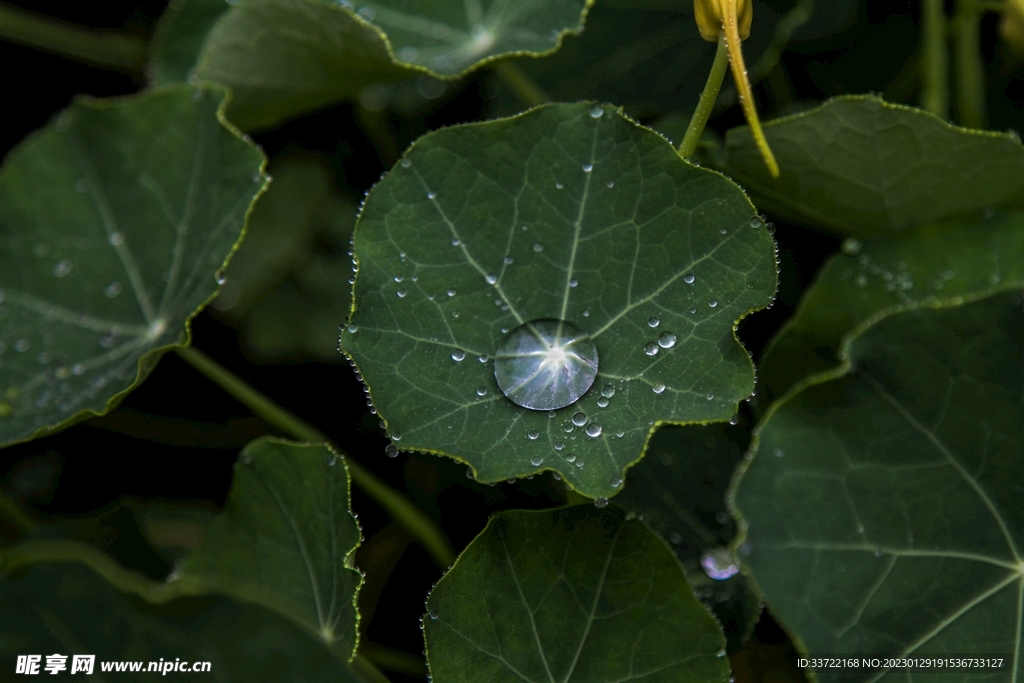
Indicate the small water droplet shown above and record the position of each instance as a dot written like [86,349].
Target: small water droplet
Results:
[601,503]
[570,457]
[533,435]
[602,402]
[713,303]
[615,481]
[852,246]
[115,239]
[667,340]
[651,349]
[481,391]
[710,396]
[559,445]
[507,260]
[401,293]
[723,231]
[78,369]
[779,452]
[734,420]
[719,564]
[538,247]
[587,168]
[458,355]
[610,184]
[536,461]
[574,282]
[567,427]
[755,222]
[653,322]
[586,314]
[491,278]
[658,388]
[593,430]
[483,358]
[689,278]
[433,613]
[112,290]
[861,279]
[63,268]
[878,552]
[352,329]
[559,186]
[399,278]
[579,418]
[597,111]
[405,162]
[22,345]
[451,292]
[431,195]
[456,242]
[391,450]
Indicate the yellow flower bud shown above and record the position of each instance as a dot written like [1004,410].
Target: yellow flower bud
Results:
[733,18]
[1012,26]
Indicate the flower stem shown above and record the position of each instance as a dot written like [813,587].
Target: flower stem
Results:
[970,69]
[935,63]
[401,509]
[525,88]
[739,74]
[707,101]
[108,49]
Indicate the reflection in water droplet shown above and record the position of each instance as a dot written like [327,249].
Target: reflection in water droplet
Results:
[593,430]
[574,282]
[431,195]
[536,461]
[615,481]
[401,293]
[538,247]
[719,564]
[570,457]
[545,364]
[481,391]
[667,340]
[491,278]
[451,292]
[579,419]
[852,246]
[399,278]
[601,502]
[587,168]
[658,388]
[559,445]
[608,391]
[602,402]
[533,434]
[689,278]
[653,322]
[396,436]
[483,358]
[710,397]
[222,280]
[651,349]
[352,329]
[391,451]
[597,111]
[755,222]
[713,303]
[433,613]
[63,268]
[458,355]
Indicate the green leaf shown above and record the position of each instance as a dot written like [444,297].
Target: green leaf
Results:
[450,37]
[66,609]
[884,503]
[679,490]
[114,221]
[859,166]
[923,267]
[641,247]
[179,37]
[648,57]
[286,540]
[573,595]
[282,58]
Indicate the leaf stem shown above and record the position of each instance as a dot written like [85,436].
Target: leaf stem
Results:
[935,62]
[108,49]
[527,89]
[401,509]
[970,69]
[707,100]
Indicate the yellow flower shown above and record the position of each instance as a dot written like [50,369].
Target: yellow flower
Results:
[1012,26]
[733,18]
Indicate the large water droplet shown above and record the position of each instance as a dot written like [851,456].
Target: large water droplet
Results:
[658,388]
[579,418]
[594,430]
[667,340]
[545,364]
[608,391]
[458,355]
[719,564]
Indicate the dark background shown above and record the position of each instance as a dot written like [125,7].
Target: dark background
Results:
[86,469]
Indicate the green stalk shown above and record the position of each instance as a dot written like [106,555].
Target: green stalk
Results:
[108,49]
[13,513]
[707,100]
[527,89]
[935,63]
[970,69]
[401,509]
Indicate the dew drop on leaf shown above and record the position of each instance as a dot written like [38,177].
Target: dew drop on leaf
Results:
[601,502]
[653,322]
[719,564]
[587,168]
[405,162]
[667,340]
[615,481]
[536,461]
[533,435]
[538,247]
[391,451]
[545,364]
[579,419]
[491,278]
[602,402]
[431,195]
[755,222]
[593,430]
[651,349]
[658,388]
[713,303]
[597,111]
[689,278]
[458,355]
[433,612]
[481,391]
[570,457]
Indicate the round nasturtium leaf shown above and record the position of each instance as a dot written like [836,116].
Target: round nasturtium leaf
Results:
[884,502]
[115,221]
[574,595]
[572,213]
